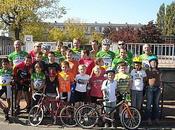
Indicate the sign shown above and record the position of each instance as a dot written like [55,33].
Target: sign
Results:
[28,38]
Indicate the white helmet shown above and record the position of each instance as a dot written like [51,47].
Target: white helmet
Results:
[106,41]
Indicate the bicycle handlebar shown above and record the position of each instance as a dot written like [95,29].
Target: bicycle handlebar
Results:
[39,94]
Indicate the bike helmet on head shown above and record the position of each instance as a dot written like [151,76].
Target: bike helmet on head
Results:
[110,69]
[106,41]
[121,61]
[153,57]
[137,60]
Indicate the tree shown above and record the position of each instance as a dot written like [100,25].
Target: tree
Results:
[16,13]
[96,36]
[56,34]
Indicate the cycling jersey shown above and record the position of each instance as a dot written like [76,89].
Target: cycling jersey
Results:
[58,57]
[76,53]
[129,54]
[5,77]
[17,57]
[38,79]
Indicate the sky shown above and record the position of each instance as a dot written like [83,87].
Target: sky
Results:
[113,11]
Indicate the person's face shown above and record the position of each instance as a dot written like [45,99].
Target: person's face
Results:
[69,55]
[147,49]
[37,48]
[123,53]
[97,71]
[63,51]
[28,61]
[64,67]
[94,46]
[59,45]
[110,76]
[122,46]
[38,57]
[76,43]
[37,68]
[17,45]
[51,57]
[153,64]
[137,66]
[82,70]
[122,69]
[83,54]
[5,65]
[106,47]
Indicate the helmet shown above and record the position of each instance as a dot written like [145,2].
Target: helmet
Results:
[119,61]
[110,69]
[153,57]
[137,59]
[106,41]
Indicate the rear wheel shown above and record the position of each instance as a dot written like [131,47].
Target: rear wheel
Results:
[86,117]
[67,116]
[130,118]
[35,116]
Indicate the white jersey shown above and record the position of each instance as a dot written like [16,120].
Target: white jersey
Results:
[81,82]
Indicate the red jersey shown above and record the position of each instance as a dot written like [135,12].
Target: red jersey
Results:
[89,63]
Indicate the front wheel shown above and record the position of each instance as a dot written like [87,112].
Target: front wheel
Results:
[67,116]
[130,118]
[86,117]
[35,116]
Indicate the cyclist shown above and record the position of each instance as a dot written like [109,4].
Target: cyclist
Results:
[106,54]
[138,76]
[76,49]
[37,49]
[18,55]
[45,50]
[109,88]
[58,56]
[5,84]
[153,90]
[22,73]
[94,50]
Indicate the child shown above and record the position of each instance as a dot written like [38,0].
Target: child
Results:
[153,90]
[37,81]
[109,87]
[138,77]
[82,80]
[5,80]
[65,79]
[96,83]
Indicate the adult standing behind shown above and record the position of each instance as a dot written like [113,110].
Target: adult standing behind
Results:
[94,45]
[37,49]
[105,53]
[76,49]
[122,45]
[58,55]
[18,56]
[146,53]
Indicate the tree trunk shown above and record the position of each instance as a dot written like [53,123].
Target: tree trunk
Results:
[17,32]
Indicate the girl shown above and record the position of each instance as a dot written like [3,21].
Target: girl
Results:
[138,78]
[153,90]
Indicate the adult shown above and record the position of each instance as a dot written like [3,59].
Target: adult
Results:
[122,45]
[105,53]
[87,61]
[76,49]
[46,49]
[18,56]
[146,53]
[58,55]
[37,49]
[94,45]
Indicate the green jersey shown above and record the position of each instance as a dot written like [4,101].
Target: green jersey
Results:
[17,57]
[38,79]
[123,80]
[129,54]
[58,57]
[117,60]
[5,77]
[76,53]
[107,57]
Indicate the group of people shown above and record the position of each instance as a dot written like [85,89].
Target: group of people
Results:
[80,75]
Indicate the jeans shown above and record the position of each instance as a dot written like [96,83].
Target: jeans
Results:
[153,95]
[136,98]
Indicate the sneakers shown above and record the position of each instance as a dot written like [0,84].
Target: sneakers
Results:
[6,111]
[106,125]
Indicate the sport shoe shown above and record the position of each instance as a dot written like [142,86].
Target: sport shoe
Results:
[106,125]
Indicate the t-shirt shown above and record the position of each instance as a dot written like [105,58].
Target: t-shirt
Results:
[54,67]
[89,63]
[110,88]
[73,64]
[76,53]
[154,74]
[51,86]
[17,57]
[107,57]
[96,84]
[81,82]
[123,80]
[65,80]
[58,57]
[38,79]
[129,54]
[137,79]
[5,77]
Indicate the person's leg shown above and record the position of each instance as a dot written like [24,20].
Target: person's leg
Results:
[133,98]
[149,97]
[156,99]
[139,99]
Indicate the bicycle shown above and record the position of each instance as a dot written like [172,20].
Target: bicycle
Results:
[64,111]
[87,116]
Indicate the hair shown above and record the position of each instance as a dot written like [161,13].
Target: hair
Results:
[18,42]
[65,47]
[65,63]
[97,60]
[86,52]
[81,66]
[39,53]
[95,41]
[122,64]
[5,60]
[147,45]
[40,65]
[51,52]
[69,51]
[28,56]
[59,42]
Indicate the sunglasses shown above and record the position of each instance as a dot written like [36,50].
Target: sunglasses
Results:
[121,44]
[38,46]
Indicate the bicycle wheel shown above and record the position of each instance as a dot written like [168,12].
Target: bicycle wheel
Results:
[130,118]
[67,116]
[35,116]
[86,117]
